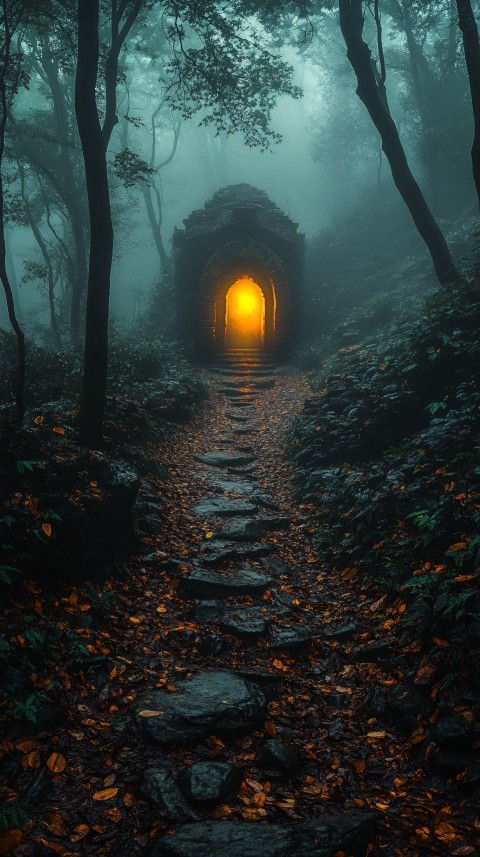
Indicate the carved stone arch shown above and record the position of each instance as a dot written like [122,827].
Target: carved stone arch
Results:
[239,233]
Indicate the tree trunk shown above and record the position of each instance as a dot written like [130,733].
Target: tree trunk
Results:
[471,47]
[424,89]
[101,230]
[119,30]
[20,374]
[156,225]
[359,55]
[45,254]
[70,194]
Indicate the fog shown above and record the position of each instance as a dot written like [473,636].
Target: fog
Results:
[326,157]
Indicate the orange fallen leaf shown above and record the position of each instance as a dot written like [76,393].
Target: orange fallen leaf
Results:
[439,642]
[105,794]
[31,760]
[81,831]
[47,529]
[58,430]
[56,763]
[458,546]
[10,840]
[147,712]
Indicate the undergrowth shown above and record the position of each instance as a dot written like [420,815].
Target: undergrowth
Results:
[387,455]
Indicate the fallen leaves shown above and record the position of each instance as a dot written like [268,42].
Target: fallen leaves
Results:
[10,840]
[147,712]
[56,763]
[105,794]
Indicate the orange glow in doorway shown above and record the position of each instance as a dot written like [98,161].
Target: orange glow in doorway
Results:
[245,315]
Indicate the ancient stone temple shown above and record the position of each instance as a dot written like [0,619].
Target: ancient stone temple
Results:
[238,275]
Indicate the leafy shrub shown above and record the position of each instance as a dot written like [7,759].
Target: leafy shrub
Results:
[387,455]
[137,366]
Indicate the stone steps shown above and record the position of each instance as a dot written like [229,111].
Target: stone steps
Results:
[234,611]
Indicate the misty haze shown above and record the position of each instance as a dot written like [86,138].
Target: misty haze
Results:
[239,443]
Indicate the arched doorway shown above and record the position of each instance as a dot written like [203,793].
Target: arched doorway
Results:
[244,308]
[244,315]
[238,234]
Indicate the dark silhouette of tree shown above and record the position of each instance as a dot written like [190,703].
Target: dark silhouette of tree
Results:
[101,228]
[471,47]
[11,13]
[371,91]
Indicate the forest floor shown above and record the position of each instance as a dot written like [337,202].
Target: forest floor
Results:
[300,650]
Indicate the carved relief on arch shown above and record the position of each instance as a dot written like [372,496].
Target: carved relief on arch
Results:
[236,251]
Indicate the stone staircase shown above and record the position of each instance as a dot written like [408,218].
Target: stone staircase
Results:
[227,595]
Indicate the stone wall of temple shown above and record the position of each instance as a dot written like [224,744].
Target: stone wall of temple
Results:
[239,232]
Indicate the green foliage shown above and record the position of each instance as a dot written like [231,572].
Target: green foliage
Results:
[151,371]
[12,816]
[27,709]
[22,466]
[131,169]
[220,64]
[437,601]
[9,574]
[386,454]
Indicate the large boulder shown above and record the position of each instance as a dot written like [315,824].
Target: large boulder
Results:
[209,703]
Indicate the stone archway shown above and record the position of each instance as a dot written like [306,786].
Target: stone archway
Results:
[254,260]
[240,233]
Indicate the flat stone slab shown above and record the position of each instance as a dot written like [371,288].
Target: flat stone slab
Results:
[234,487]
[222,458]
[246,530]
[209,703]
[206,584]
[226,507]
[292,639]
[247,470]
[246,624]
[237,418]
[219,553]
[210,782]
[159,788]
[349,833]
[242,403]
[208,610]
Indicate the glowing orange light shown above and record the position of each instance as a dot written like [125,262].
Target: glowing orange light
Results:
[245,314]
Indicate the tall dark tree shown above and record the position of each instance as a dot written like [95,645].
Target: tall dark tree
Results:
[11,14]
[471,46]
[101,228]
[371,91]
[67,182]
[152,190]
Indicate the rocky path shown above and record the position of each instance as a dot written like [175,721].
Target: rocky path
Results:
[251,701]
